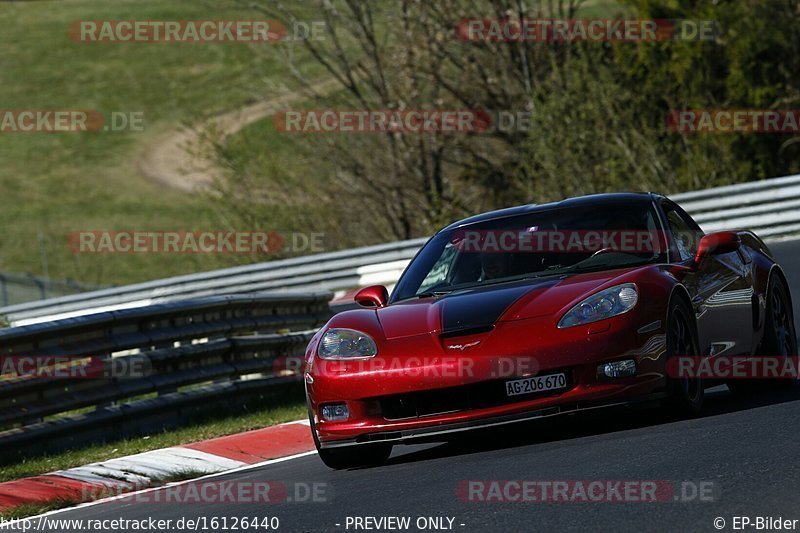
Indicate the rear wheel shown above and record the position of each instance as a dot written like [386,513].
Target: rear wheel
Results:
[356,456]
[686,394]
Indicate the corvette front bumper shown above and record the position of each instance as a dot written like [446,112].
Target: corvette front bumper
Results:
[442,431]
[451,397]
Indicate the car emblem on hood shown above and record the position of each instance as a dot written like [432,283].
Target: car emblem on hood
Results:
[463,347]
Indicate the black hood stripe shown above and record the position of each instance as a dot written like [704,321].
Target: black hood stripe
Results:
[482,308]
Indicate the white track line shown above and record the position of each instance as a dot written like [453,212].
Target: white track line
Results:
[11,524]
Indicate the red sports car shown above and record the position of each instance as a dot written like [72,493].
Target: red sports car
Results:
[537,311]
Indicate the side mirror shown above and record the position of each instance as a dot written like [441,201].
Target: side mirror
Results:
[722,242]
[373,296]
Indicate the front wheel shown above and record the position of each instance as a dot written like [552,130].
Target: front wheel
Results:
[686,394]
[356,456]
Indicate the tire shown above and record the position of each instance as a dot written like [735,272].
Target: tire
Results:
[356,456]
[780,337]
[685,395]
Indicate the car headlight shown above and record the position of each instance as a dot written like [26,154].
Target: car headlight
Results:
[338,343]
[605,304]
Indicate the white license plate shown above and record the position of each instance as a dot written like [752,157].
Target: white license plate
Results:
[537,384]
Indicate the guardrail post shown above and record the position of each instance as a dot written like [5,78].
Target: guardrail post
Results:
[5,289]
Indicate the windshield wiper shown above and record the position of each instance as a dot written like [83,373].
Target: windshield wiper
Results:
[600,266]
[500,281]
[431,294]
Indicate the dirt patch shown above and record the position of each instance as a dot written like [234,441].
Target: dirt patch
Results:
[173,158]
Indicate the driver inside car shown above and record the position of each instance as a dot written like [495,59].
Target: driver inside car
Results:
[494,265]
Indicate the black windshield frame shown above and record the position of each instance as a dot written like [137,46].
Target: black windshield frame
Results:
[416,273]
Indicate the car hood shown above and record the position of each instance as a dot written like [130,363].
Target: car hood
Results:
[473,310]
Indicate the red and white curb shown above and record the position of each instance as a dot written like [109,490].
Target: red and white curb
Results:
[149,469]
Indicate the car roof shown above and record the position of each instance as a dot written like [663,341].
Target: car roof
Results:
[593,199]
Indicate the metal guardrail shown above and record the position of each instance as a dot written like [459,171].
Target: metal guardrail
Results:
[767,207]
[327,272]
[136,370]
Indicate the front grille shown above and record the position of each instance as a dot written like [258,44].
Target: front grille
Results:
[455,399]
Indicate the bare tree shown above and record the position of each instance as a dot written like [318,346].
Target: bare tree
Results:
[408,54]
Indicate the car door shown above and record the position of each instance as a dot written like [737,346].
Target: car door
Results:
[721,289]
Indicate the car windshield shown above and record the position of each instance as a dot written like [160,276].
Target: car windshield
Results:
[554,241]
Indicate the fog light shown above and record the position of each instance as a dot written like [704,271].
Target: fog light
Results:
[335,412]
[617,369]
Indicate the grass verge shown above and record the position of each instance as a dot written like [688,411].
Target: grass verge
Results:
[55,184]
[287,411]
